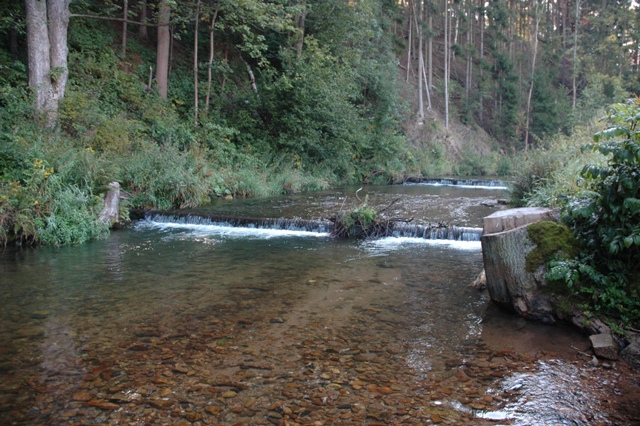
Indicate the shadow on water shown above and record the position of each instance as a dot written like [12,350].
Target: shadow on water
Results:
[167,323]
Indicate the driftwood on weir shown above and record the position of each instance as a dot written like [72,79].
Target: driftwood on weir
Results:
[360,228]
[363,222]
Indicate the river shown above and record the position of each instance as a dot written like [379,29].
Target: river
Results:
[176,322]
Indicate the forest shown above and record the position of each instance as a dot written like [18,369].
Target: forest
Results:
[182,101]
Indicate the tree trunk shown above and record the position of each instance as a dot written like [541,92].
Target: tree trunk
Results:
[481,55]
[468,58]
[125,12]
[252,79]
[195,65]
[430,51]
[164,43]
[224,75]
[426,84]
[574,66]
[446,64]
[144,34]
[39,53]
[410,41]
[533,72]
[563,72]
[13,42]
[47,23]
[299,23]
[420,63]
[211,52]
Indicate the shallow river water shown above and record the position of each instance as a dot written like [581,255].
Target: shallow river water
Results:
[169,323]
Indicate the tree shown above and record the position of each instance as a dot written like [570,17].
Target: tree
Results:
[534,54]
[143,19]
[163,46]
[125,11]
[447,45]
[195,65]
[47,23]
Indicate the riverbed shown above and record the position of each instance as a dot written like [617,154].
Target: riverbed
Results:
[176,323]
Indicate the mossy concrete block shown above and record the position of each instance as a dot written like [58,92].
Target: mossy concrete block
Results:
[604,346]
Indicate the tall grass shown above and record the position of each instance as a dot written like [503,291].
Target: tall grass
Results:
[549,176]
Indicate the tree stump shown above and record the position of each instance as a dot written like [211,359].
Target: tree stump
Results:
[505,246]
[109,214]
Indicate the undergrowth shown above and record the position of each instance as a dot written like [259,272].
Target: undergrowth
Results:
[603,210]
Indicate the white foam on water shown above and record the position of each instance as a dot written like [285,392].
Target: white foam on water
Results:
[395,243]
[227,231]
[457,185]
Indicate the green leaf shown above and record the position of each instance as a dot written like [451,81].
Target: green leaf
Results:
[632,205]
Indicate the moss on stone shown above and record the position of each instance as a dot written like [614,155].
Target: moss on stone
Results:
[551,239]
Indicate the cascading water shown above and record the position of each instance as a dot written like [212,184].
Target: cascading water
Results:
[393,229]
[283,224]
[463,183]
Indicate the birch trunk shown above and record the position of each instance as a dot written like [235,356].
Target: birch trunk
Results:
[47,23]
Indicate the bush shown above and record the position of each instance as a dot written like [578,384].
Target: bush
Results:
[71,217]
[164,177]
[43,206]
[533,171]
[605,217]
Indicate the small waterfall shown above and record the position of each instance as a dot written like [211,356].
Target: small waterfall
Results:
[436,232]
[467,183]
[394,229]
[289,224]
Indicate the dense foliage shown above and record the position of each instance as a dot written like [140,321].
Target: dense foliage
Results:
[601,207]
[604,217]
[275,119]
[272,96]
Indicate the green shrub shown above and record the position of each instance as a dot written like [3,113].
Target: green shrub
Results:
[532,172]
[71,217]
[42,206]
[164,177]
[605,217]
